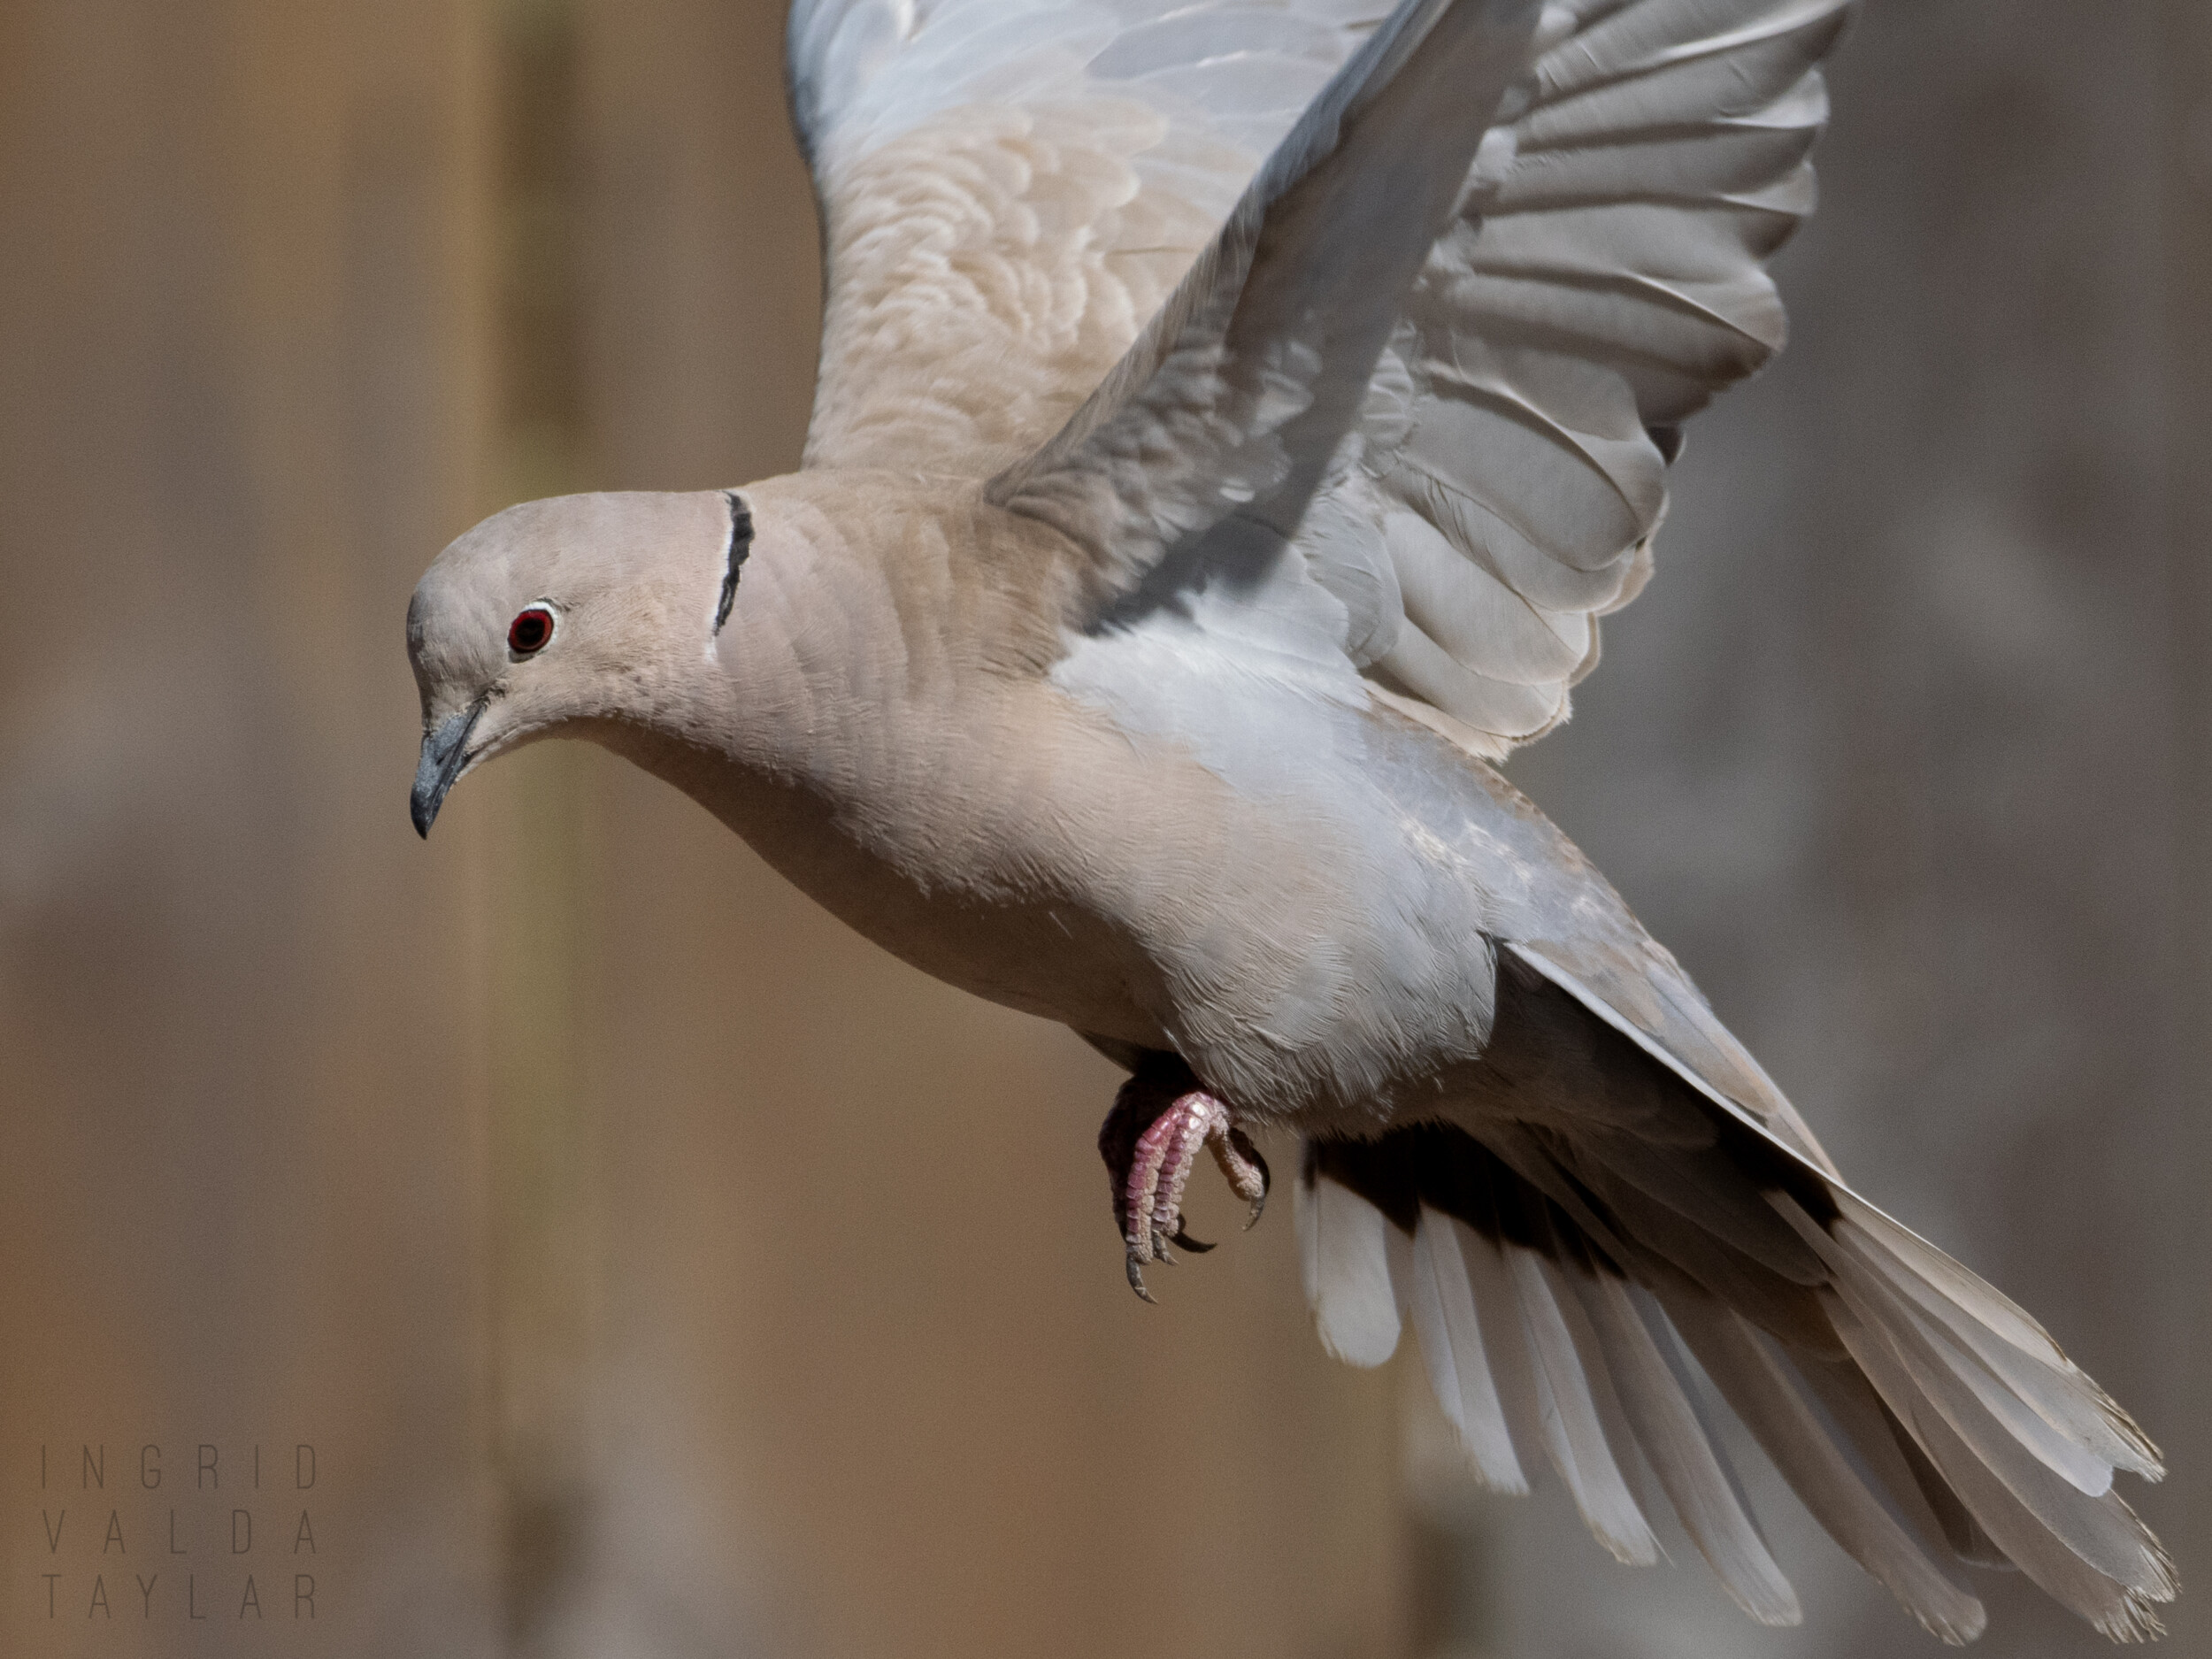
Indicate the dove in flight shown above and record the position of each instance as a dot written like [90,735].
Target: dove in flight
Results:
[1233,419]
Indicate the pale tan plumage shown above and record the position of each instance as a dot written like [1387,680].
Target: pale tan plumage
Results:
[1232,421]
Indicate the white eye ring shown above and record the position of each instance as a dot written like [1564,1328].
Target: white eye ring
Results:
[533,628]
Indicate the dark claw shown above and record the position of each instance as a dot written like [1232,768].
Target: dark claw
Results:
[1187,1243]
[1136,1280]
[1242,1142]
[1159,1248]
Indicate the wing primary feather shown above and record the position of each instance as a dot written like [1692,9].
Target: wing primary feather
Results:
[2051,1385]
[1978,1403]
[1494,252]
[2121,1603]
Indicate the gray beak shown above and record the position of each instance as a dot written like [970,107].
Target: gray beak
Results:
[444,748]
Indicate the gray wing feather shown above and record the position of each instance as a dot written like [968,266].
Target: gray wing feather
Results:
[1239,389]
[1478,491]
[1874,1510]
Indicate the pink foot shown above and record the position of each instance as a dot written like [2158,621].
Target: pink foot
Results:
[1151,1141]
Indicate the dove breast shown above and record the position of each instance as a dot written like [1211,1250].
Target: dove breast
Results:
[1233,852]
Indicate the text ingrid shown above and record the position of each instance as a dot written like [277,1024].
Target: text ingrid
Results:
[222,1546]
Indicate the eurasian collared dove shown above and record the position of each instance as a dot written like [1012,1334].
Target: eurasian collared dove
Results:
[1233,417]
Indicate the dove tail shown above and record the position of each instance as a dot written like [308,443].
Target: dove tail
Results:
[1560,1287]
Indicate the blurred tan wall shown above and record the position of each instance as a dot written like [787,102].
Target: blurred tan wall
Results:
[246,384]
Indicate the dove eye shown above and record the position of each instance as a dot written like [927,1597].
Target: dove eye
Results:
[528,633]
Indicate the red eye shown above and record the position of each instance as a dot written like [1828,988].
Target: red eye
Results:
[527,634]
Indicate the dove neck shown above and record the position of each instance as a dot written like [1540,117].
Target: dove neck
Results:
[875,723]
[844,674]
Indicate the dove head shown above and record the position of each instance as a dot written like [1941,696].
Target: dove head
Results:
[573,612]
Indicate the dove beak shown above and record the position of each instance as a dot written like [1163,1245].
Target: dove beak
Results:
[444,752]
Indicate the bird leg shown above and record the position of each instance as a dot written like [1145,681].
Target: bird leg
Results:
[1151,1141]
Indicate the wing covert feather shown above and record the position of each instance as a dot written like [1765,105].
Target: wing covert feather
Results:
[1010,188]
[1013,190]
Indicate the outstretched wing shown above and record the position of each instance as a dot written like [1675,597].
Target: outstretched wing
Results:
[1010,188]
[1470,463]
[1608,286]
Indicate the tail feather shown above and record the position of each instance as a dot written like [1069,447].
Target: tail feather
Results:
[1775,1302]
[2060,1485]
[1441,1300]
[1644,1362]
[1519,1393]
[1573,1389]
[1974,1399]
[2053,1542]
[1851,1477]
[1344,1242]
[1680,1179]
[2015,1483]
[1923,1418]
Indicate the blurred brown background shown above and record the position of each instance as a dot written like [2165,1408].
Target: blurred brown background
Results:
[657,1270]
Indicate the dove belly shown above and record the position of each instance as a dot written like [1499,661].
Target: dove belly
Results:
[935,864]
[1308,944]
